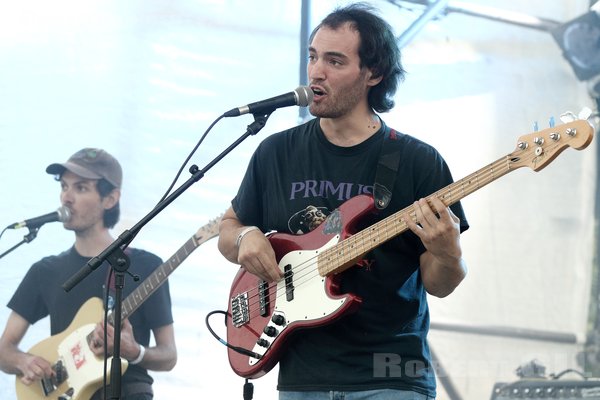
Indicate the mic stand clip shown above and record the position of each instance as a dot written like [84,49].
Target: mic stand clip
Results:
[26,239]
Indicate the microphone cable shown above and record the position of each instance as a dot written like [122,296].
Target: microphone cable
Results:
[187,160]
[248,389]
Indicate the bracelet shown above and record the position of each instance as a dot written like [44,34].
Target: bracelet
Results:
[238,241]
[140,356]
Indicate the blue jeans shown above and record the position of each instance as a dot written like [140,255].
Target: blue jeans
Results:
[380,394]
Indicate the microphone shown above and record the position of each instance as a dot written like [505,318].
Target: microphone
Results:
[63,214]
[302,96]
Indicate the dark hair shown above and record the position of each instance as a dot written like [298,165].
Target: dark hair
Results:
[378,50]
[111,216]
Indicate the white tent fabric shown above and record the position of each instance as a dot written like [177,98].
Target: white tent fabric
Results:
[144,79]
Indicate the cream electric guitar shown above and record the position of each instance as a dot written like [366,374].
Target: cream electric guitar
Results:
[79,372]
[261,316]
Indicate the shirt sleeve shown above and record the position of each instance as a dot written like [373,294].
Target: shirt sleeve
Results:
[27,301]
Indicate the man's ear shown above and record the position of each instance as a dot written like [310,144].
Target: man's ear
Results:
[373,81]
[110,200]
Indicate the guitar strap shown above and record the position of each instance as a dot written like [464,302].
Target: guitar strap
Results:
[387,168]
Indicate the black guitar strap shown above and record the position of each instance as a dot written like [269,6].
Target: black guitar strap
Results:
[387,168]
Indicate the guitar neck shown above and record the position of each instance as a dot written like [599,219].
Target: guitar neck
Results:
[156,279]
[162,272]
[346,253]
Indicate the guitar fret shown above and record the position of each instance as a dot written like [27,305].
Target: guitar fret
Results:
[356,246]
[128,301]
[174,262]
[148,291]
[159,275]
[186,251]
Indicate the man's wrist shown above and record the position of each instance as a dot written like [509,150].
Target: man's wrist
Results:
[140,356]
[243,233]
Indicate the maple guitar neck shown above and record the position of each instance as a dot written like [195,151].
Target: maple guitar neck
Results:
[535,150]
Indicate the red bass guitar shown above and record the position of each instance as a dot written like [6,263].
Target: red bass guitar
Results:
[262,316]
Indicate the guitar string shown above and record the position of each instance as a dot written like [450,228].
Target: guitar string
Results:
[472,182]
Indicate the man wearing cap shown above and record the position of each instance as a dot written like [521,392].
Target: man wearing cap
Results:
[90,188]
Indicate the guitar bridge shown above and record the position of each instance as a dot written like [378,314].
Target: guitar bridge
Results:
[50,384]
[240,314]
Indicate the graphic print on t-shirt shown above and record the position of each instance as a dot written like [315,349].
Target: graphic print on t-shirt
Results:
[307,220]
[311,217]
[341,191]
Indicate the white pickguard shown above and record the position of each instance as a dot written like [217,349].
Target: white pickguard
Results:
[82,365]
[310,300]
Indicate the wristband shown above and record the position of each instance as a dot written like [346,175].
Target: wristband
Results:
[140,356]
[238,241]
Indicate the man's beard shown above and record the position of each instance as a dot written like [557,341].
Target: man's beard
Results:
[341,102]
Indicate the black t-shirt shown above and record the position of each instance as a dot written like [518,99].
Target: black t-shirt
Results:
[40,294]
[295,179]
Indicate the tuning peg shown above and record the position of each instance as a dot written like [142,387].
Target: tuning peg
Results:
[535,126]
[551,122]
[585,113]
[568,117]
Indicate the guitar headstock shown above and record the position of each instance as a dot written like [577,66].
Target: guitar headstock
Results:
[208,231]
[537,149]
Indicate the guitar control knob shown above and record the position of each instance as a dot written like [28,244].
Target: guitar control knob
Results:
[263,343]
[270,331]
[68,395]
[278,319]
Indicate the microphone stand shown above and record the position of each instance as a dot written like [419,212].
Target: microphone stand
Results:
[26,239]
[119,261]
[120,264]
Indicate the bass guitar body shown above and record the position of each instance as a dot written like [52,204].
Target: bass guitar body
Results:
[261,316]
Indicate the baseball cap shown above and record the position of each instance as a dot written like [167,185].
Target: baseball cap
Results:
[91,163]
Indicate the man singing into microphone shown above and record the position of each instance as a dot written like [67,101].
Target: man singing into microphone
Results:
[301,175]
[90,189]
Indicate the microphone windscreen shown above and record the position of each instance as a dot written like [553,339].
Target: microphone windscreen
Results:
[64,214]
[305,95]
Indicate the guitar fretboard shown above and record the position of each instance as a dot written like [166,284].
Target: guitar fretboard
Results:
[162,272]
